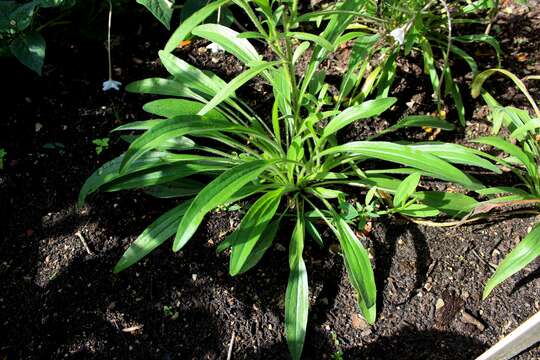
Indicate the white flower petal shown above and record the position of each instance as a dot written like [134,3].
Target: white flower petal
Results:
[111,84]
[215,48]
[398,35]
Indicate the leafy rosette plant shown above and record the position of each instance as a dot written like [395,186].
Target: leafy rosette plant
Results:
[522,158]
[208,146]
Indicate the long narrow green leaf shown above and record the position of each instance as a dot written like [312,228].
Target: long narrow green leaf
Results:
[110,171]
[406,189]
[169,108]
[161,175]
[154,235]
[453,204]
[313,38]
[175,189]
[511,149]
[525,252]
[359,269]
[216,193]
[417,121]
[407,156]
[365,110]
[456,154]
[479,80]
[191,22]
[173,128]
[229,40]
[159,86]
[297,294]
[262,245]
[188,74]
[250,230]
[481,38]
[235,83]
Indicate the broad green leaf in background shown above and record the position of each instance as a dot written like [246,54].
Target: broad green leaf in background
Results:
[161,9]
[29,49]
[214,194]
[525,252]
[419,210]
[154,235]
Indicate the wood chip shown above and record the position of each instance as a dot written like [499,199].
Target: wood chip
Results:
[132,328]
[469,319]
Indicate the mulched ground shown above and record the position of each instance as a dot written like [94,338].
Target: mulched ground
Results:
[58,300]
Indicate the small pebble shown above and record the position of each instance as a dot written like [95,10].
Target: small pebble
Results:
[439,304]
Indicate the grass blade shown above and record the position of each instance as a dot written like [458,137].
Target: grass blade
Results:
[525,252]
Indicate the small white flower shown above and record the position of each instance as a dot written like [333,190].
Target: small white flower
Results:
[215,48]
[111,84]
[398,35]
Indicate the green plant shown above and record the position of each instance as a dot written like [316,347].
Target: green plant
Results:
[163,10]
[208,145]
[338,354]
[387,30]
[20,34]
[101,144]
[523,160]
[3,154]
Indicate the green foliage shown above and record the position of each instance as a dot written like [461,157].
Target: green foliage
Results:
[3,154]
[163,11]
[211,148]
[388,29]
[523,159]
[101,144]
[19,35]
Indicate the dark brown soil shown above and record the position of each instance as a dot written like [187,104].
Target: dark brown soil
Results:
[57,300]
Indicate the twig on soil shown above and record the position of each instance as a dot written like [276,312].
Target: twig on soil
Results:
[492,15]
[85,245]
[231,344]
[482,260]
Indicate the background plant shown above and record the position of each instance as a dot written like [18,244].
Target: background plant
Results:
[207,145]
[523,159]
[387,30]
[20,31]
